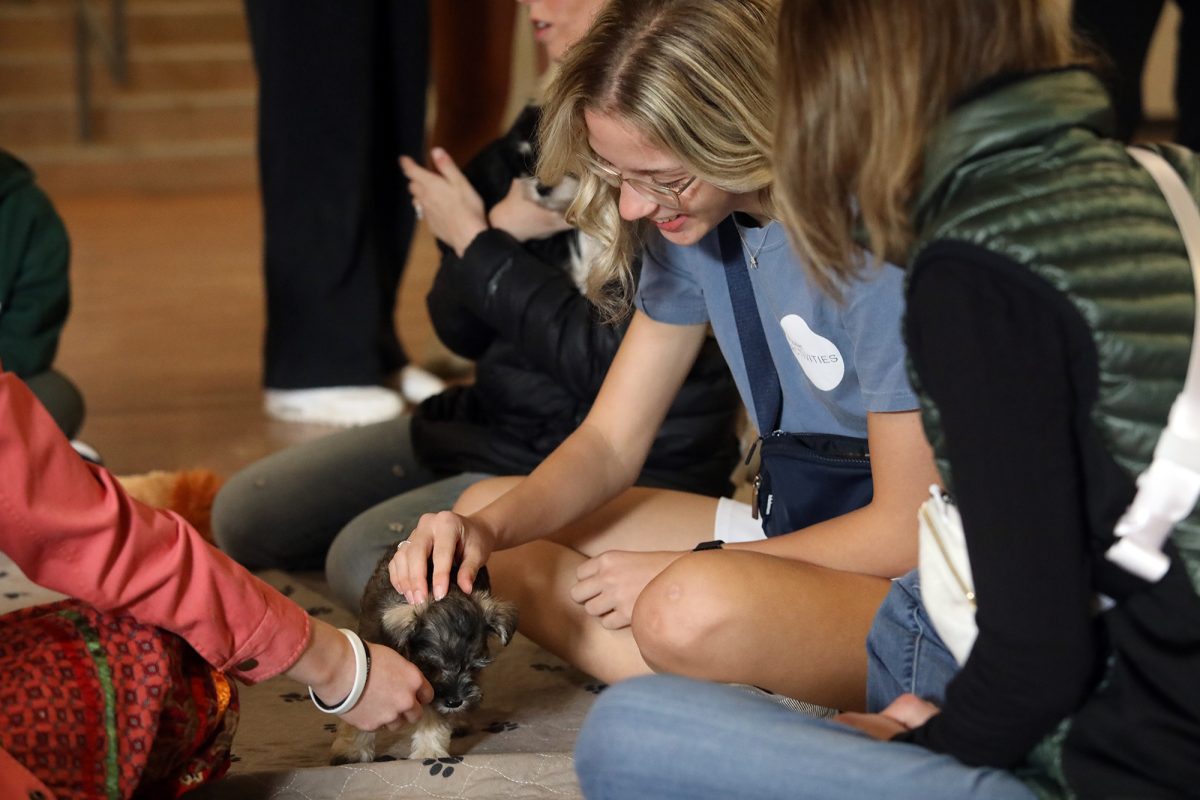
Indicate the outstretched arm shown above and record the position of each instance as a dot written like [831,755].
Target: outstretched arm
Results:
[70,527]
[596,462]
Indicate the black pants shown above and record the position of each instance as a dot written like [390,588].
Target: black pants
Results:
[341,96]
[1123,29]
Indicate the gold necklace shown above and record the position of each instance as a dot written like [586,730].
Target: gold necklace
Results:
[761,244]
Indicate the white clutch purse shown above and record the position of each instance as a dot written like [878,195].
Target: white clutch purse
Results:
[947,588]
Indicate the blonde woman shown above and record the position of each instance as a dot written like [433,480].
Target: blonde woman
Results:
[664,111]
[1050,317]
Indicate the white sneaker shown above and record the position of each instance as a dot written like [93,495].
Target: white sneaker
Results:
[418,385]
[341,406]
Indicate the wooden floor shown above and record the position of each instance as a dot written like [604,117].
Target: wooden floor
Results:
[165,331]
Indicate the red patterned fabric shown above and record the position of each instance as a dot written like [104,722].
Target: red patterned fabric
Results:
[101,706]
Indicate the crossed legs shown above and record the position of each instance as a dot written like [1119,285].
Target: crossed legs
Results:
[731,616]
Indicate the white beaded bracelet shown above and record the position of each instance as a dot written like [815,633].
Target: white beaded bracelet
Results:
[362,669]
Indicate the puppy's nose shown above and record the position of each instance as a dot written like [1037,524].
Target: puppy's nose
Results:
[452,702]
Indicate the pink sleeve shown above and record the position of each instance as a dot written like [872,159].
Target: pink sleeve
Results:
[70,527]
[18,783]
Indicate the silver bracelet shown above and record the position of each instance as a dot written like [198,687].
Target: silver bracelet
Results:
[362,669]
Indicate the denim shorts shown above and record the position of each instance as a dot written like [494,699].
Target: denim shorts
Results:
[904,653]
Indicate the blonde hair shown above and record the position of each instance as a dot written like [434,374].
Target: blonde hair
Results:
[863,84]
[695,78]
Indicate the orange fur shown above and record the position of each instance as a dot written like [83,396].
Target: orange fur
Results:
[189,493]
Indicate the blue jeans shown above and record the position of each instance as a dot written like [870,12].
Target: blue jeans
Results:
[666,737]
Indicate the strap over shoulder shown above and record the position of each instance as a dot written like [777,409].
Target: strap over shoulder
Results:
[1170,487]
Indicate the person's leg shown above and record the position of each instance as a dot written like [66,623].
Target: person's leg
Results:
[904,652]
[805,625]
[66,666]
[664,738]
[61,398]
[322,141]
[401,82]
[284,510]
[741,617]
[373,534]
[538,576]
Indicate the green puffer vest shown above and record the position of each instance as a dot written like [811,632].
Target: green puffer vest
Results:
[1025,173]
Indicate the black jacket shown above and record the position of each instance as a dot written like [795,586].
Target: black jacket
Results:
[541,355]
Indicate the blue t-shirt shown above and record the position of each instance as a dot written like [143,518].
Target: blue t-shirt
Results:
[835,361]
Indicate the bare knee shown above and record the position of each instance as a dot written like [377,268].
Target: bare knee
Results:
[483,492]
[678,616]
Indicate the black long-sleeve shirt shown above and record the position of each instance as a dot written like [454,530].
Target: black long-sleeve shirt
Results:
[1013,370]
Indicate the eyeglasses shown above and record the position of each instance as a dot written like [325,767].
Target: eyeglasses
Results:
[657,193]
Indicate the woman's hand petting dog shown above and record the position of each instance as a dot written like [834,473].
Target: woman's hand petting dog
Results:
[395,692]
[441,537]
[446,200]
[609,585]
[523,217]
[905,713]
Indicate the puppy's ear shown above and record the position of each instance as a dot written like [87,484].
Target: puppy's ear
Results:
[399,621]
[483,580]
[500,616]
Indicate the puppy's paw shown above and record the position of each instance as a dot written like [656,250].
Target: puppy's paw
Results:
[352,746]
[431,737]
[429,750]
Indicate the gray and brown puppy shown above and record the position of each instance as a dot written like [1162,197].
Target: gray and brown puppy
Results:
[447,639]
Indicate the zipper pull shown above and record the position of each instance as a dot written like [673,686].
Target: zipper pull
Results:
[754,496]
[750,452]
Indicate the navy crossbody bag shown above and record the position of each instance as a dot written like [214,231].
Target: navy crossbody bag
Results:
[804,478]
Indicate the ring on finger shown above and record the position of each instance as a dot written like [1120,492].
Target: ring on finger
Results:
[401,544]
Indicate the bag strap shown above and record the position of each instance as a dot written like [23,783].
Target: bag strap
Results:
[761,376]
[1170,487]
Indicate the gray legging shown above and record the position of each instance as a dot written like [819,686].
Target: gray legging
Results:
[341,501]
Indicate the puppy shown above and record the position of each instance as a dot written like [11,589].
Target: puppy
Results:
[582,247]
[514,155]
[446,639]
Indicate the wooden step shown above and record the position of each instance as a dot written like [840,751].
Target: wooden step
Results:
[34,27]
[131,118]
[50,27]
[34,74]
[159,68]
[188,67]
[186,22]
[184,120]
[151,167]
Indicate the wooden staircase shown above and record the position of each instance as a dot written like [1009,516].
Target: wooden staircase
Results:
[184,121]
